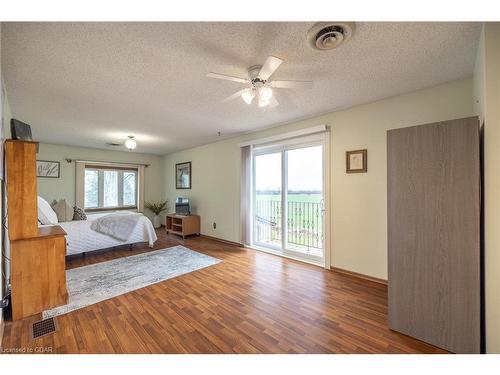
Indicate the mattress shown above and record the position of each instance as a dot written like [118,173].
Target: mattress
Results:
[81,238]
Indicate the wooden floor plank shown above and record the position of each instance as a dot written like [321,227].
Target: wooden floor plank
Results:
[251,302]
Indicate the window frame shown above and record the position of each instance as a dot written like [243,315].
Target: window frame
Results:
[100,190]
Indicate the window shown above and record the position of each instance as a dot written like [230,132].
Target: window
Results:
[110,188]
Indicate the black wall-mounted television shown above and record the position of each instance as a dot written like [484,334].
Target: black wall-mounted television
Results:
[182,206]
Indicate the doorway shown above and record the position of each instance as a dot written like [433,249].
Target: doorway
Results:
[288,200]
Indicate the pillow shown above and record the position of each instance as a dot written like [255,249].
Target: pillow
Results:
[63,210]
[46,214]
[79,213]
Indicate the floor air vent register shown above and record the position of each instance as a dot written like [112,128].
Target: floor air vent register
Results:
[43,328]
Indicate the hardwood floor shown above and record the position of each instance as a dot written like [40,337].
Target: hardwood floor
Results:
[252,302]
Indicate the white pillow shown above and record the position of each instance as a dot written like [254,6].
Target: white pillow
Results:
[46,215]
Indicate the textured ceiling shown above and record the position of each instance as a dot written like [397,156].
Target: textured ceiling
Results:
[90,83]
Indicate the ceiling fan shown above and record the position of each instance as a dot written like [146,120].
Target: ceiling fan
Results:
[259,84]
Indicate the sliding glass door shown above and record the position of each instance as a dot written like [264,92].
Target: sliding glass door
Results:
[288,205]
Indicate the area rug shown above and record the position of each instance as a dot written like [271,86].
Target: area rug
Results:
[97,282]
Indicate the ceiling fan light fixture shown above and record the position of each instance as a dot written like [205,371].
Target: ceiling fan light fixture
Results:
[248,96]
[260,84]
[130,143]
[265,93]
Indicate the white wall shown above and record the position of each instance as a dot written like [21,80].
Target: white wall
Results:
[358,201]
[64,187]
[487,105]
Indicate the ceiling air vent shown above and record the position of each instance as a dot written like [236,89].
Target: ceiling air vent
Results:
[114,144]
[329,35]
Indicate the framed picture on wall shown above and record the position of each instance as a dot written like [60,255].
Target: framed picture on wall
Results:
[46,168]
[356,161]
[183,175]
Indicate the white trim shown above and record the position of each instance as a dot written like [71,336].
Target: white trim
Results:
[288,135]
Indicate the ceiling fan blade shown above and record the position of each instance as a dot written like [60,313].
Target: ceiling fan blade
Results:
[272,63]
[226,77]
[273,102]
[291,84]
[234,96]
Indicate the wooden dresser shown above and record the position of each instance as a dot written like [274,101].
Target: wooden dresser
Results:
[38,268]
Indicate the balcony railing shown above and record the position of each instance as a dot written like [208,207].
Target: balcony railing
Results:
[304,227]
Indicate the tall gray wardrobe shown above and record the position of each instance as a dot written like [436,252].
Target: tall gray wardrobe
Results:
[434,233]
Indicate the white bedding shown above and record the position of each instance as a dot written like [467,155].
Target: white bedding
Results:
[117,225]
[81,238]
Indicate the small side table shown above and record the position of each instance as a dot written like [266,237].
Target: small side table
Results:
[182,225]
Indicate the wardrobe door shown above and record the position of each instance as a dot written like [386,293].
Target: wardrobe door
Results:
[433,186]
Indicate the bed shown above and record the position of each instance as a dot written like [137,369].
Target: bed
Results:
[81,238]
